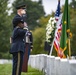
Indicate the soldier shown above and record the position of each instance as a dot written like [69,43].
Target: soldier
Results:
[21,12]
[17,45]
[28,48]
[29,39]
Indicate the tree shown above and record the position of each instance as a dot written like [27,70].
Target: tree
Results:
[34,12]
[73,29]
[4,29]
[73,4]
[39,39]
[40,1]
[43,21]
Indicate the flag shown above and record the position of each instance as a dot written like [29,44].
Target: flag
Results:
[57,14]
[65,30]
[58,17]
[58,36]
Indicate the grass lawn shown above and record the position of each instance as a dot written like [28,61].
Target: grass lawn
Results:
[6,69]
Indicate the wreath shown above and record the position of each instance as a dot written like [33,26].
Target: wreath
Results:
[50,30]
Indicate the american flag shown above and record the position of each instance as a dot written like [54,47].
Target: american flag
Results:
[58,17]
[57,14]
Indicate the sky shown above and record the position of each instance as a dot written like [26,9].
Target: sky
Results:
[49,5]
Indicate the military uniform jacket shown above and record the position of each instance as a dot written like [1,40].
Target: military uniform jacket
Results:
[14,25]
[17,40]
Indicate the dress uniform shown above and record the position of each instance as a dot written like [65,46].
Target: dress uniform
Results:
[17,46]
[22,15]
[17,15]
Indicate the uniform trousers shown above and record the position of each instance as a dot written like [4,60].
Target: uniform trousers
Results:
[17,63]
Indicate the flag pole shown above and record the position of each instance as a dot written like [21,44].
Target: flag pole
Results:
[53,41]
[69,48]
[51,48]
